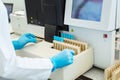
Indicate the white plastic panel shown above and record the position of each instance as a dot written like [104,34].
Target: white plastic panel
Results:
[20,26]
[104,47]
[118,15]
[19,5]
[8,1]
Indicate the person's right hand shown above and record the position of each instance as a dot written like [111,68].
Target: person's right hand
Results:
[23,40]
[62,59]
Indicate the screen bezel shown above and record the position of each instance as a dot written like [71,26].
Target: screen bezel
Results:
[107,22]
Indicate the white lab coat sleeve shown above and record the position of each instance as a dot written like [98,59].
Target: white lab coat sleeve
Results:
[29,69]
[15,67]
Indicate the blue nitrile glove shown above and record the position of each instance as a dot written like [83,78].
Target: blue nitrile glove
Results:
[23,40]
[62,59]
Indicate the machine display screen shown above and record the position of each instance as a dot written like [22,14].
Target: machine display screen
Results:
[9,8]
[87,10]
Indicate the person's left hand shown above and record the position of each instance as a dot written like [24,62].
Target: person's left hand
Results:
[28,37]
[23,40]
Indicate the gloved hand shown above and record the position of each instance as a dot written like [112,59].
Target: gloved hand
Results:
[62,59]
[23,40]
